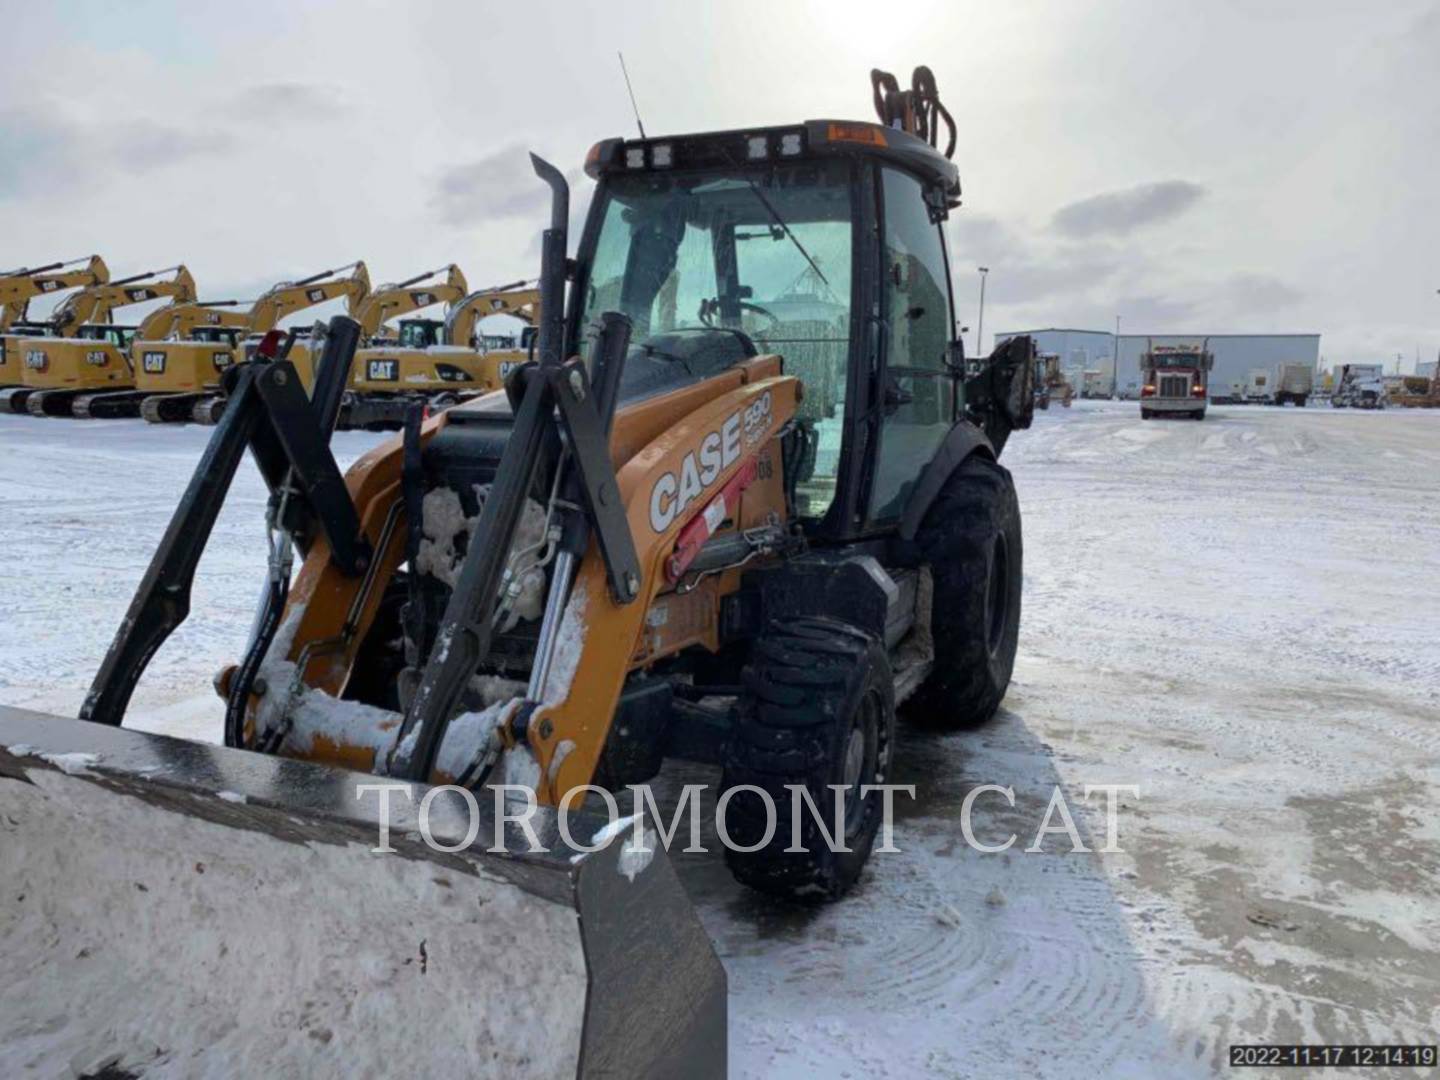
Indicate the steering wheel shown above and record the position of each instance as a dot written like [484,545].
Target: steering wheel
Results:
[709,309]
[756,309]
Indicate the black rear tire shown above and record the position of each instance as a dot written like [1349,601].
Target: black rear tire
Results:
[971,539]
[818,709]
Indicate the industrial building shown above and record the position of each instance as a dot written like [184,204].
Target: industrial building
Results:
[1236,355]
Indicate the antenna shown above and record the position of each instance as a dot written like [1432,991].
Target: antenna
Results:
[631,90]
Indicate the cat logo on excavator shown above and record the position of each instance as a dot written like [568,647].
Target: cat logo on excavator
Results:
[383,370]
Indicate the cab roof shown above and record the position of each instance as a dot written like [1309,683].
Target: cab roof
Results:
[757,146]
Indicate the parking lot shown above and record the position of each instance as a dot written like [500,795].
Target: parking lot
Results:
[1238,617]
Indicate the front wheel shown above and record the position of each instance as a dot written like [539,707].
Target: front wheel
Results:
[818,710]
[971,539]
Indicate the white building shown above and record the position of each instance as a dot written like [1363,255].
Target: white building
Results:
[1236,355]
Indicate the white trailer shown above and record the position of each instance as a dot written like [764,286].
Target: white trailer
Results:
[1257,389]
[1278,385]
[1293,383]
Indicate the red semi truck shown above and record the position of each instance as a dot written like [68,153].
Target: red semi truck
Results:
[1175,379]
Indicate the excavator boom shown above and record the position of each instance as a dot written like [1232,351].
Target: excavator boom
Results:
[391,301]
[519,298]
[98,303]
[287,298]
[19,287]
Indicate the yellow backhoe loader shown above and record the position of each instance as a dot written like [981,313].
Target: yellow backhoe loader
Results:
[181,380]
[434,363]
[89,353]
[17,289]
[744,504]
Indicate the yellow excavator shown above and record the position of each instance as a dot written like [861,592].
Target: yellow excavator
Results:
[17,289]
[89,353]
[211,323]
[413,294]
[181,380]
[744,505]
[384,304]
[387,302]
[435,363]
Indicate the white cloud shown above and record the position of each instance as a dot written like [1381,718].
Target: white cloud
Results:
[1120,212]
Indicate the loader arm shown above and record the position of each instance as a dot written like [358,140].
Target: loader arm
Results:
[272,417]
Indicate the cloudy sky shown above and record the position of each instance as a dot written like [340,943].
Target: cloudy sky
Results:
[1191,167]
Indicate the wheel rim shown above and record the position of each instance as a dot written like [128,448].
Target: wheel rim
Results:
[854,757]
[998,600]
[861,751]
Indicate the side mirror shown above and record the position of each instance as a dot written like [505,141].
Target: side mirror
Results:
[955,356]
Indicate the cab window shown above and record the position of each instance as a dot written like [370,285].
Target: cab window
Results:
[918,389]
[700,261]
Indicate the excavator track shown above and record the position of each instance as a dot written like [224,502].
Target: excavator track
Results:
[13,398]
[208,410]
[111,405]
[169,408]
[51,402]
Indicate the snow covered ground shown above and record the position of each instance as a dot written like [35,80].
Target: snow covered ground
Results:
[1238,616]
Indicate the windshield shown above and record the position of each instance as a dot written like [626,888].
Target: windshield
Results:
[418,333]
[694,258]
[116,335]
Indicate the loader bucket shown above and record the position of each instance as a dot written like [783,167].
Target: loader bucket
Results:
[169,908]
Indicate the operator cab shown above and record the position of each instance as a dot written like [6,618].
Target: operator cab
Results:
[419,333]
[821,242]
[28,329]
[523,342]
[119,336]
[217,335]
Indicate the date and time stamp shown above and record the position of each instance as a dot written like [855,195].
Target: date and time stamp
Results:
[1307,1055]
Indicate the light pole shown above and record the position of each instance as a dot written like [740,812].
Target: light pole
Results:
[1115,363]
[980,322]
